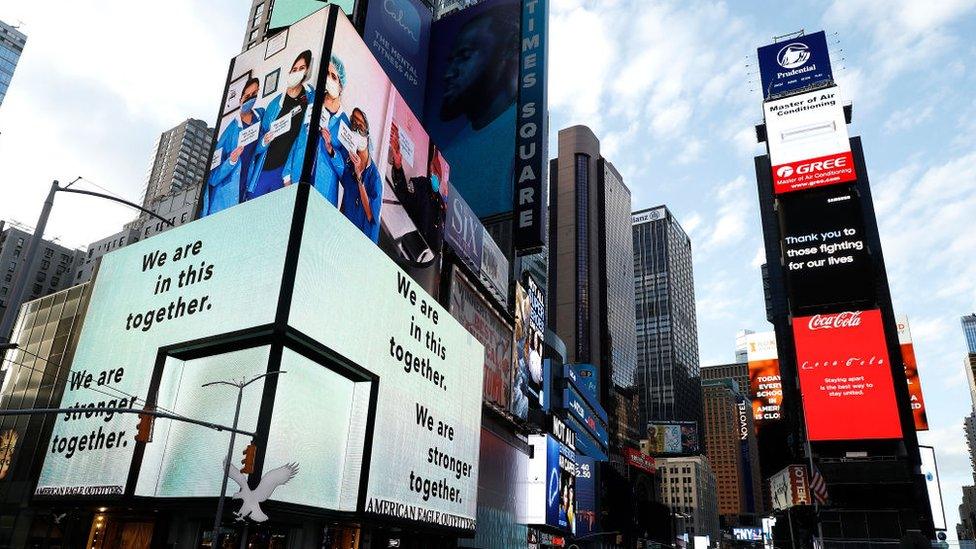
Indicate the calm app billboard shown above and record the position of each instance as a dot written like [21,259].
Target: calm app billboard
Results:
[398,33]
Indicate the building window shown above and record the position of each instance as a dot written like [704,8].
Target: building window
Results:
[12,267]
[37,289]
[48,252]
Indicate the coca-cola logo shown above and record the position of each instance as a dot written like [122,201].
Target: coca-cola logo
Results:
[850,319]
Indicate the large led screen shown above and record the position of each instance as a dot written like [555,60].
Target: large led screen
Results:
[265,116]
[288,12]
[551,487]
[478,318]
[930,471]
[472,90]
[765,383]
[845,377]
[398,33]
[370,156]
[827,258]
[671,438]
[808,142]
[184,284]
[353,299]
[527,356]
[911,374]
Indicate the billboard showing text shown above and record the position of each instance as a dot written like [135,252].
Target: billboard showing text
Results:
[795,64]
[808,141]
[845,377]
[765,383]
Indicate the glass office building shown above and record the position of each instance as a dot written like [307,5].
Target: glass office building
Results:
[12,43]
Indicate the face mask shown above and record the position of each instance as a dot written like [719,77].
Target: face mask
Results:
[435,182]
[248,106]
[332,87]
[295,78]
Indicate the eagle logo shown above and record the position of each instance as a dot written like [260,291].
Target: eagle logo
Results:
[252,499]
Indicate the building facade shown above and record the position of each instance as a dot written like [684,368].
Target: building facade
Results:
[180,160]
[12,43]
[969,331]
[688,488]
[591,308]
[732,451]
[97,249]
[53,272]
[668,375]
[35,375]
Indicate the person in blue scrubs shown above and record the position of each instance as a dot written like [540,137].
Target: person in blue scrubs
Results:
[362,188]
[281,154]
[330,155]
[227,183]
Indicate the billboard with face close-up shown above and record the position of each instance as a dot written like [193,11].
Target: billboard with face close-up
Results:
[845,377]
[470,108]
[808,142]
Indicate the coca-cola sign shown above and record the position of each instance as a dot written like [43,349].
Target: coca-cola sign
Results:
[845,377]
[848,319]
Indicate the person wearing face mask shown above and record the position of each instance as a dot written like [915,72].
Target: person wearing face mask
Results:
[227,183]
[362,188]
[420,196]
[280,155]
[330,155]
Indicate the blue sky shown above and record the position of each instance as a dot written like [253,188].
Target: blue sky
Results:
[669,87]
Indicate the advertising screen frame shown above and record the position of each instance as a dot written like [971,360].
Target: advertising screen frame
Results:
[794,64]
[912,376]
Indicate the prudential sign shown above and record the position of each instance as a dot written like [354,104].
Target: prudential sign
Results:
[794,64]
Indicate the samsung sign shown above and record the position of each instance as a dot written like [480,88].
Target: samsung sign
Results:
[531,140]
[795,64]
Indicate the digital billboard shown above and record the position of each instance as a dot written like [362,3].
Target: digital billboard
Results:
[398,369]
[790,487]
[930,471]
[531,180]
[285,13]
[795,64]
[747,533]
[827,259]
[398,34]
[470,106]
[808,142]
[263,128]
[370,157]
[429,370]
[671,438]
[845,377]
[765,383]
[530,325]
[475,247]
[911,373]
[586,496]
[187,283]
[487,326]
[551,487]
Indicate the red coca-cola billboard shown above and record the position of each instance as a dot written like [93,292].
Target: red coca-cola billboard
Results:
[845,377]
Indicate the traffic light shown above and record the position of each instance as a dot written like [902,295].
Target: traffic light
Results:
[145,428]
[248,461]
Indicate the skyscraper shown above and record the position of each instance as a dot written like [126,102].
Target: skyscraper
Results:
[180,160]
[732,449]
[969,330]
[53,271]
[12,43]
[591,307]
[688,488]
[668,374]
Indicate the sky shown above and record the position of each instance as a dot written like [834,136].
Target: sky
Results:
[669,87]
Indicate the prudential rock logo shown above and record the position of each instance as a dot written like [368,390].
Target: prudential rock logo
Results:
[793,55]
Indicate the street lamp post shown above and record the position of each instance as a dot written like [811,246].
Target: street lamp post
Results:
[19,287]
[239,385]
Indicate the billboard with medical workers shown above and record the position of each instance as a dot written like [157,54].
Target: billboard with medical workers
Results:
[366,152]
[192,305]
